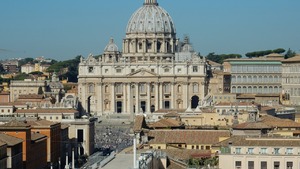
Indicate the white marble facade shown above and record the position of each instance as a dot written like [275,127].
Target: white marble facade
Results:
[146,76]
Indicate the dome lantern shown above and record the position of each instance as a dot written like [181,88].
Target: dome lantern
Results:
[150,2]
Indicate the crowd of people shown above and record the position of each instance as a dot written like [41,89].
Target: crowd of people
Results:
[112,138]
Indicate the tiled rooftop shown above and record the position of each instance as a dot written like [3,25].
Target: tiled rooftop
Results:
[22,111]
[10,140]
[187,136]
[259,141]
[37,136]
[165,123]
[139,123]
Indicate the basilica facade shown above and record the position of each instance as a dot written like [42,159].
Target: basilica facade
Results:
[154,70]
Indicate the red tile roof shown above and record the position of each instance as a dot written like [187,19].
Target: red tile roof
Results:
[186,136]
[21,111]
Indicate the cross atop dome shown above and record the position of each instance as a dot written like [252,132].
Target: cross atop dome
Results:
[150,2]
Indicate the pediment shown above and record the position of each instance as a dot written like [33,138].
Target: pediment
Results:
[142,72]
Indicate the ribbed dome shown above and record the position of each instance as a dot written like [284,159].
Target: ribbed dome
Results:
[150,18]
[111,46]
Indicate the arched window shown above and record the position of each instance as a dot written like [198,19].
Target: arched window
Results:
[91,88]
[259,89]
[271,79]
[233,78]
[249,80]
[244,89]
[195,87]
[239,79]
[255,79]
[260,79]
[244,80]
[271,89]
[266,79]
[254,89]
[233,89]
[250,89]
[238,89]
[265,89]
[276,89]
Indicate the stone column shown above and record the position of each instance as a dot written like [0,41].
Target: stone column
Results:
[124,105]
[129,99]
[157,96]
[186,101]
[155,46]
[161,96]
[100,97]
[173,95]
[148,110]
[137,99]
[113,97]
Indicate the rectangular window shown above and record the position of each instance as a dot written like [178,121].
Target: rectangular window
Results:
[238,150]
[250,150]
[263,165]
[167,70]
[263,151]
[80,135]
[119,70]
[276,164]
[132,70]
[289,165]
[276,151]
[289,151]
[238,165]
[179,70]
[106,70]
[250,164]
[167,105]
[195,68]
[152,70]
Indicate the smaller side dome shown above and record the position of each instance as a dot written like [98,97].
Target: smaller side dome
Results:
[111,46]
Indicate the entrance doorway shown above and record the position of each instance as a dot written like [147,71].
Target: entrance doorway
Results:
[143,106]
[119,106]
[195,101]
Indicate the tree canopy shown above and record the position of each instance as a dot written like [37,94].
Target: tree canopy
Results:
[219,58]
[66,69]
[264,52]
[289,53]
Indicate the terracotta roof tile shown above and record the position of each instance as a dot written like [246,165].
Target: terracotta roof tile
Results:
[15,123]
[185,154]
[187,136]
[278,122]
[37,136]
[259,141]
[10,140]
[139,123]
[21,111]
[41,122]
[165,123]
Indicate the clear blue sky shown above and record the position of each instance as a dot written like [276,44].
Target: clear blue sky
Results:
[63,29]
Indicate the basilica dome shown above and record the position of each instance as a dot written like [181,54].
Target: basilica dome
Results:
[111,46]
[150,18]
